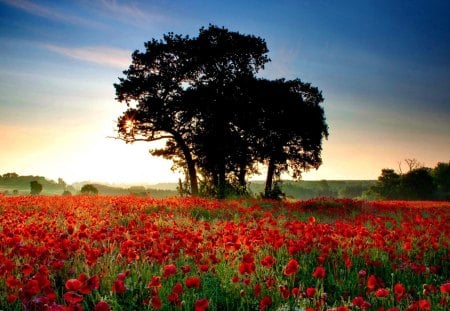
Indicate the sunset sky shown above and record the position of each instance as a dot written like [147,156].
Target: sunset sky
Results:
[383,68]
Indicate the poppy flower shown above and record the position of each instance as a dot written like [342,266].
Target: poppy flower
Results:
[73,284]
[371,282]
[201,304]
[265,302]
[268,261]
[156,302]
[291,267]
[319,272]
[257,290]
[285,292]
[177,288]
[399,291]
[424,305]
[73,297]
[169,270]
[193,281]
[118,287]
[382,292]
[155,282]
[102,306]
[310,292]
[445,288]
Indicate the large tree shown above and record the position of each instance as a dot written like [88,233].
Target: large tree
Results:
[290,127]
[219,121]
[158,80]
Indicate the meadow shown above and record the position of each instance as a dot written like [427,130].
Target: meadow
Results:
[129,253]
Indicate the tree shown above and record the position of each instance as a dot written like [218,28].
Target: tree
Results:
[388,184]
[441,177]
[290,128]
[417,184]
[35,187]
[158,80]
[219,121]
[89,189]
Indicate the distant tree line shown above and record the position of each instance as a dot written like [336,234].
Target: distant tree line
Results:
[220,122]
[418,183]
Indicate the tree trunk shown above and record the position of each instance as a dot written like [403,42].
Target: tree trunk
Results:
[269,179]
[192,171]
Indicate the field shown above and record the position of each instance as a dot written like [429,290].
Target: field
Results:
[128,253]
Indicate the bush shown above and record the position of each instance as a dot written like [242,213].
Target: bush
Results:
[89,189]
[35,187]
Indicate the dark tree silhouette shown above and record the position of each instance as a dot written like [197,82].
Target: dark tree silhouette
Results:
[441,176]
[35,187]
[290,128]
[158,80]
[89,189]
[218,120]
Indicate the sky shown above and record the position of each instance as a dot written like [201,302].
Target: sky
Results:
[383,68]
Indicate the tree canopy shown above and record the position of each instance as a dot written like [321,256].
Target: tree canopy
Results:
[419,183]
[219,121]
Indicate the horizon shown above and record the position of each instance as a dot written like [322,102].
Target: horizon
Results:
[383,68]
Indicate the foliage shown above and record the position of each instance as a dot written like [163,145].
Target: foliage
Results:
[441,176]
[220,122]
[35,187]
[420,183]
[133,253]
[89,189]
[13,181]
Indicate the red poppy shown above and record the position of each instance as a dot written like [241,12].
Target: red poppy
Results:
[371,282]
[193,281]
[73,297]
[11,298]
[291,267]
[73,284]
[424,305]
[285,292]
[265,302]
[382,292]
[26,269]
[118,287]
[268,261]
[257,290]
[399,290]
[155,282]
[445,288]
[319,272]
[102,306]
[201,304]
[310,292]
[169,270]
[156,302]
[177,288]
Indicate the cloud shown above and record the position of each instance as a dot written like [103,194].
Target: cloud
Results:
[131,13]
[102,55]
[50,13]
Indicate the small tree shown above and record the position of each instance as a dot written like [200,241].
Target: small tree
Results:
[441,177]
[89,189]
[35,187]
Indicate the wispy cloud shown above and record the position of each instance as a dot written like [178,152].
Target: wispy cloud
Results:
[50,13]
[131,13]
[102,55]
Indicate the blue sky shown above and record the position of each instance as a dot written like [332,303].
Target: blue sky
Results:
[383,68]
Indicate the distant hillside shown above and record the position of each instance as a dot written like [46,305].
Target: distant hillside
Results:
[11,183]
[307,189]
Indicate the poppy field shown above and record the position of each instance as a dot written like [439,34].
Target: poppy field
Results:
[128,253]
